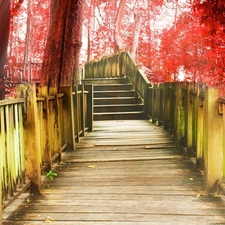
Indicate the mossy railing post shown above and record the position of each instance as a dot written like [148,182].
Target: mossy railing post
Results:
[146,102]
[179,115]
[77,114]
[213,139]
[194,119]
[153,104]
[31,136]
[172,107]
[200,130]
[185,102]
[89,88]
[83,110]
[161,109]
[68,114]
[166,106]
[47,159]
[189,118]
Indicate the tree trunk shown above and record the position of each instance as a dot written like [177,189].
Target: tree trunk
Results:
[61,59]
[137,21]
[89,27]
[4,35]
[117,35]
[27,41]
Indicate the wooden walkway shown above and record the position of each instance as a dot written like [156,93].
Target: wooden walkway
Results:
[125,172]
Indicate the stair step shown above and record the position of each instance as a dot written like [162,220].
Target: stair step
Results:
[109,87]
[106,80]
[115,93]
[119,115]
[118,108]
[114,100]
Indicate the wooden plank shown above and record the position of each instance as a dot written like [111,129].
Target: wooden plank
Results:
[154,220]
[129,184]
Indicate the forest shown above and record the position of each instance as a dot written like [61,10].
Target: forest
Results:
[46,41]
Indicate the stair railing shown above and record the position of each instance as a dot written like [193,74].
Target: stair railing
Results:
[120,65]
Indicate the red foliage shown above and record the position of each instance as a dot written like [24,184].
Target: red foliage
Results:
[28,33]
[193,43]
[194,46]
[15,6]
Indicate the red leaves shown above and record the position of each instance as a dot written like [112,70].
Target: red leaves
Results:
[28,33]
[211,13]
[15,7]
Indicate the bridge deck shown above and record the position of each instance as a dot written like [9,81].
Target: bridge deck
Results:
[125,172]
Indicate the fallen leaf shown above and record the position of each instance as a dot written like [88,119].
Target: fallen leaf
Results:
[92,166]
[199,195]
[48,221]
[216,196]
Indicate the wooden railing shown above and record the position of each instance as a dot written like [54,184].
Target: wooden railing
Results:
[12,162]
[83,110]
[195,116]
[106,67]
[35,129]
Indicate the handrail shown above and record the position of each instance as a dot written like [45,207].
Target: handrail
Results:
[11,101]
[12,158]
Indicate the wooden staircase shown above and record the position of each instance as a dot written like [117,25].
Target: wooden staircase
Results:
[115,99]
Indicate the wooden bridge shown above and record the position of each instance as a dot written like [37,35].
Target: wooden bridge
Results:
[124,172]
[125,151]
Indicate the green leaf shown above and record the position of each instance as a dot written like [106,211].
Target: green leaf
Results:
[51,174]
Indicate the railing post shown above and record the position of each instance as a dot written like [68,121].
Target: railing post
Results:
[90,107]
[153,104]
[77,113]
[180,116]
[31,136]
[43,92]
[189,118]
[59,119]
[200,130]
[83,110]
[161,109]
[146,102]
[172,108]
[213,139]
[68,114]
[166,106]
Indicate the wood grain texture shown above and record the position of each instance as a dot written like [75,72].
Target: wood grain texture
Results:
[141,180]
